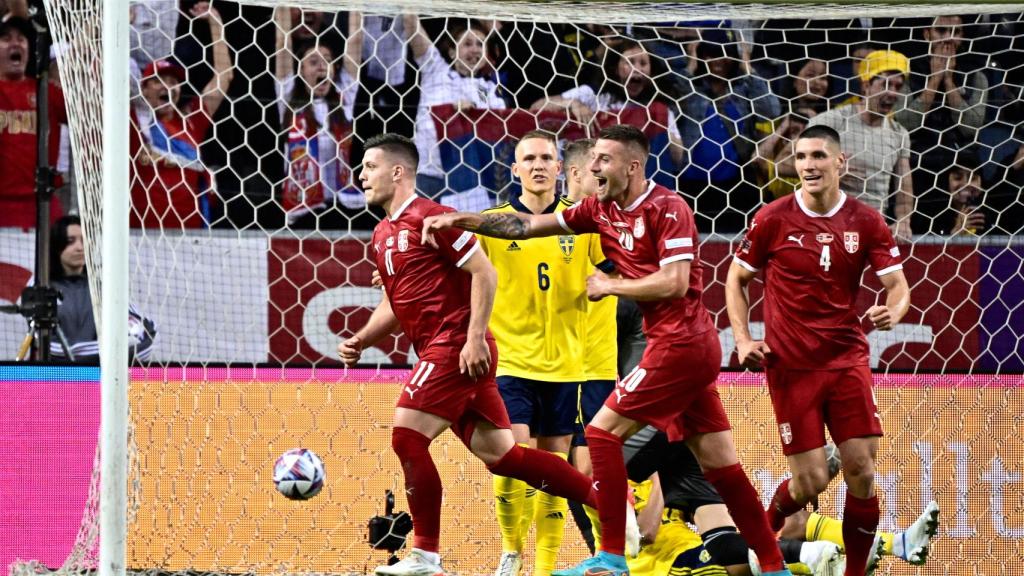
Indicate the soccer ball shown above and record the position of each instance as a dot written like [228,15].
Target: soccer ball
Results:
[299,474]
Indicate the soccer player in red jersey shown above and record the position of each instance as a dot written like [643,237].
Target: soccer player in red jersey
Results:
[441,297]
[18,134]
[813,246]
[648,231]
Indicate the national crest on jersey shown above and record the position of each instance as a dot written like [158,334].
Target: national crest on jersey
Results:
[851,241]
[567,244]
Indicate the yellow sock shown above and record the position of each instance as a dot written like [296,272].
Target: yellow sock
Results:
[526,518]
[824,528]
[549,520]
[509,497]
[595,525]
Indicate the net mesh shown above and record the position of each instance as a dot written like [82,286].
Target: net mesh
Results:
[250,257]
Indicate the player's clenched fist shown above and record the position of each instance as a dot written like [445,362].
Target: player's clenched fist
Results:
[881,317]
[475,358]
[751,354]
[598,286]
[432,224]
[350,351]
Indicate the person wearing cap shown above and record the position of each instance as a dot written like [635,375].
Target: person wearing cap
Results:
[946,107]
[169,175]
[18,94]
[876,146]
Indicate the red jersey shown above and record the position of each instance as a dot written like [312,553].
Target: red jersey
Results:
[165,191]
[813,265]
[429,293]
[657,229]
[18,148]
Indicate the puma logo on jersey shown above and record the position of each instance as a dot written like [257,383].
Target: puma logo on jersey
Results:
[619,395]
[411,392]
[799,240]
[513,247]
[671,215]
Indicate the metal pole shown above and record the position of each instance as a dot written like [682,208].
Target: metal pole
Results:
[44,179]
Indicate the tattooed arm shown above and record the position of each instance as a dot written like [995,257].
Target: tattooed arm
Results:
[509,225]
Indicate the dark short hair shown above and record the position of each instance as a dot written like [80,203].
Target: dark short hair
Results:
[823,132]
[396,145]
[967,160]
[577,149]
[541,135]
[626,134]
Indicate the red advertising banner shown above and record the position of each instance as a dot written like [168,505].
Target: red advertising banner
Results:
[320,293]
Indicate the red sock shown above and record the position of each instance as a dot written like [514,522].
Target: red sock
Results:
[422,486]
[860,520]
[744,506]
[782,506]
[610,480]
[546,472]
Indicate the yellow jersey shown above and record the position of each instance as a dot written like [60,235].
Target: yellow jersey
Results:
[677,550]
[541,312]
[600,361]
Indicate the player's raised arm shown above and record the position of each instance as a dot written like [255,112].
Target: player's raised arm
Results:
[737,302]
[511,226]
[475,358]
[897,301]
[382,322]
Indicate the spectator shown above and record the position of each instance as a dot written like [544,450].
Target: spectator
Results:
[721,104]
[810,86]
[947,103]
[877,147]
[169,184]
[18,127]
[75,320]
[628,79]
[387,95]
[775,154]
[154,27]
[467,80]
[963,211]
[316,118]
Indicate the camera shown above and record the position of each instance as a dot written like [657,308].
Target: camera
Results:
[388,532]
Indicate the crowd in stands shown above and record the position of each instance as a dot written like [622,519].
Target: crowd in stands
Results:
[247,115]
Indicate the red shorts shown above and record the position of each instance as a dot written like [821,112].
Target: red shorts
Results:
[806,400]
[436,387]
[673,388]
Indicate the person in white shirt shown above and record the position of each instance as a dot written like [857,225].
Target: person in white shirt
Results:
[468,81]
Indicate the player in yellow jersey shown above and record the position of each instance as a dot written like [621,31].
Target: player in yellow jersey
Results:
[539,322]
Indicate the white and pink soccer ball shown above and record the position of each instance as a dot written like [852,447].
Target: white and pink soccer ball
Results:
[299,474]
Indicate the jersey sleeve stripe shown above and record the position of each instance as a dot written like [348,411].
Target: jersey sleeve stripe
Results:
[465,258]
[460,243]
[675,258]
[561,222]
[678,243]
[737,260]
[890,269]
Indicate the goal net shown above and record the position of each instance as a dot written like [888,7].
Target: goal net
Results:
[250,254]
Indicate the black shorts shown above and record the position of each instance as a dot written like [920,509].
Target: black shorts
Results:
[682,481]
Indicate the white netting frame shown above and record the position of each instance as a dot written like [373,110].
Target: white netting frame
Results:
[81,107]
